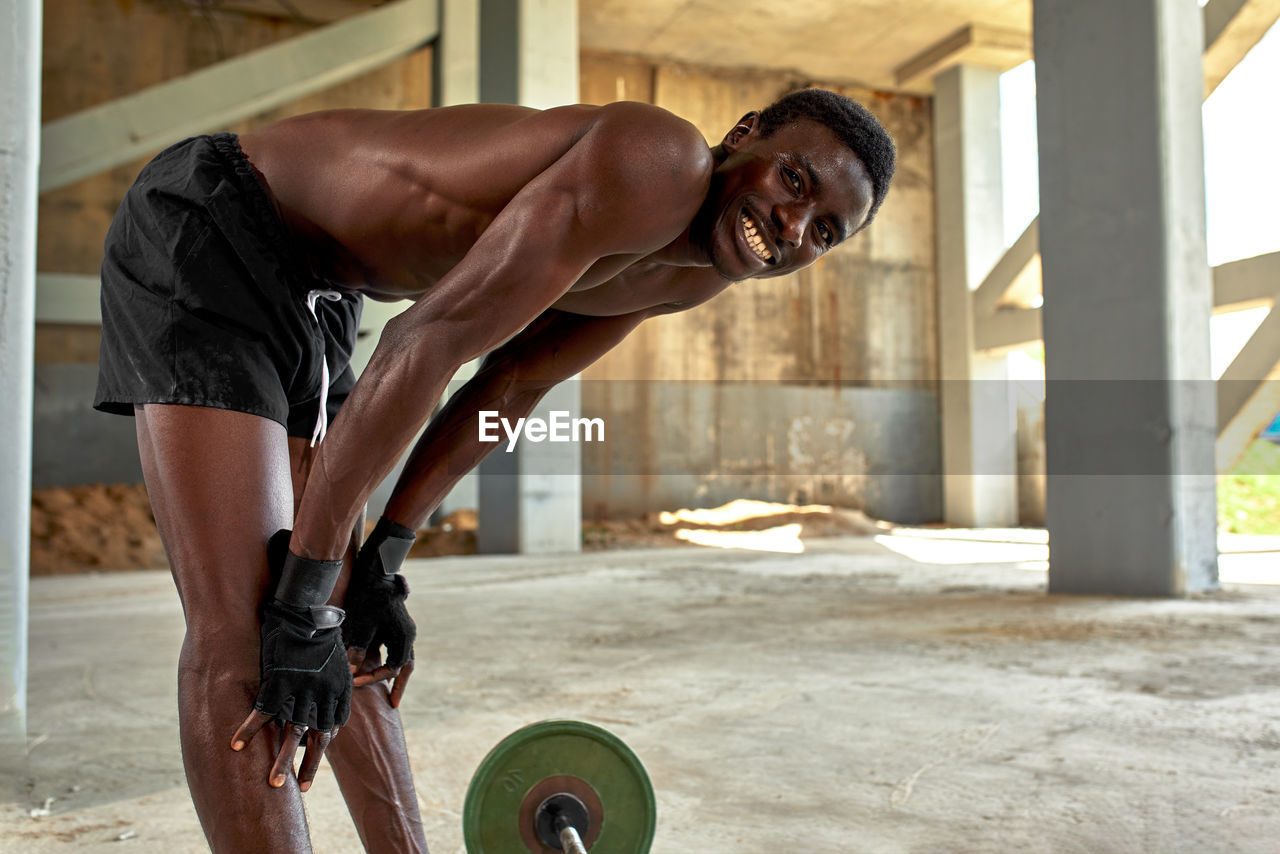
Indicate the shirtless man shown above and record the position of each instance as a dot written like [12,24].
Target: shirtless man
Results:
[232,281]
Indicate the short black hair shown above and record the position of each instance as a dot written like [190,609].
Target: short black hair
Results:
[852,123]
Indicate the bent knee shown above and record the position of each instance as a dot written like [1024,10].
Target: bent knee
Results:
[222,659]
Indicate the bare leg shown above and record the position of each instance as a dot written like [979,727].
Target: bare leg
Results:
[368,757]
[220,486]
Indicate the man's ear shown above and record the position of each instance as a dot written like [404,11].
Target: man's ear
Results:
[745,127]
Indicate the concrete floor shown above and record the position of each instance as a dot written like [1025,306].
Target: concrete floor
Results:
[850,699]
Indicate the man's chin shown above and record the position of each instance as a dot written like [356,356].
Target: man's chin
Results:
[730,267]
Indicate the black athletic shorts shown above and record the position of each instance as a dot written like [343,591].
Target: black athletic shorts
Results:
[205,302]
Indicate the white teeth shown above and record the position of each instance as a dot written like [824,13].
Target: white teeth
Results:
[754,240]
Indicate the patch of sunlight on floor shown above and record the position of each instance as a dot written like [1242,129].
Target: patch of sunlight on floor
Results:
[784,539]
[1242,559]
[738,510]
[957,550]
[978,535]
[1249,568]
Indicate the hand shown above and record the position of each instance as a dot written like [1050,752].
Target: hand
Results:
[305,683]
[367,669]
[377,616]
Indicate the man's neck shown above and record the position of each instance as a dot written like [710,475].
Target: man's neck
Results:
[684,251]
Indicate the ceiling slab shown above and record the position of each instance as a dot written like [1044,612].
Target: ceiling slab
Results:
[860,41]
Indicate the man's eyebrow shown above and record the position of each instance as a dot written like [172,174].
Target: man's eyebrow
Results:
[814,183]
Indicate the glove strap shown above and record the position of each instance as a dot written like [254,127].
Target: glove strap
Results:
[305,582]
[392,542]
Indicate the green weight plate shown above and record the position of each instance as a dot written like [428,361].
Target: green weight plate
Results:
[534,762]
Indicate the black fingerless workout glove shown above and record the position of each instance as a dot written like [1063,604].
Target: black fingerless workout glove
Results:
[305,678]
[376,615]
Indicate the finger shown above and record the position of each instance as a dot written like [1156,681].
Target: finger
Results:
[317,742]
[377,675]
[355,658]
[402,680]
[398,653]
[371,663]
[252,726]
[293,734]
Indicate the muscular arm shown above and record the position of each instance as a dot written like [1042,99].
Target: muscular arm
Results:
[511,380]
[581,209]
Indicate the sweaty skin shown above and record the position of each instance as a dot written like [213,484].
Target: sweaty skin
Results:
[539,238]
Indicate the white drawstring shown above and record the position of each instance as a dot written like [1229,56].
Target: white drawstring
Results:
[322,419]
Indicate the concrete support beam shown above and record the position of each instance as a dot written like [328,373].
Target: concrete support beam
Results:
[68,298]
[305,11]
[1246,283]
[1249,393]
[1129,414]
[1231,29]
[20,39]
[531,499]
[973,44]
[978,410]
[108,135]
[1012,267]
[1007,329]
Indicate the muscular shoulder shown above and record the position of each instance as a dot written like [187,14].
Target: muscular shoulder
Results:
[657,143]
[650,156]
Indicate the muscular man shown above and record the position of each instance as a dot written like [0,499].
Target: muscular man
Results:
[232,281]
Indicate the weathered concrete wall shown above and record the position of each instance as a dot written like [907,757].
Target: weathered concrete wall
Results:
[678,444]
[862,319]
[96,51]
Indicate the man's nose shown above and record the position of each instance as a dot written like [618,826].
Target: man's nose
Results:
[790,223]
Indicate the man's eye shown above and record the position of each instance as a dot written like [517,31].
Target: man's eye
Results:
[825,232]
[793,178]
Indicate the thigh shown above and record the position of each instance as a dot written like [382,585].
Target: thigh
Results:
[220,486]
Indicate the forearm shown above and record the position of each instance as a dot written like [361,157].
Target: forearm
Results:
[387,407]
[451,445]
[555,346]
[395,396]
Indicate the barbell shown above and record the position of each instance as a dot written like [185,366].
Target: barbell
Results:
[559,786]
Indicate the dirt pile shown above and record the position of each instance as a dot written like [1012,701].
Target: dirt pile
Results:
[97,527]
[455,535]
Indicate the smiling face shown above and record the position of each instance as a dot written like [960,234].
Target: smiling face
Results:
[777,204]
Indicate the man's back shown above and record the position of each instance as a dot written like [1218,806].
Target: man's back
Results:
[388,202]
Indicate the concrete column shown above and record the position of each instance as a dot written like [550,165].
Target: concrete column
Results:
[531,499]
[457,54]
[979,415]
[1129,415]
[20,23]
[529,52]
